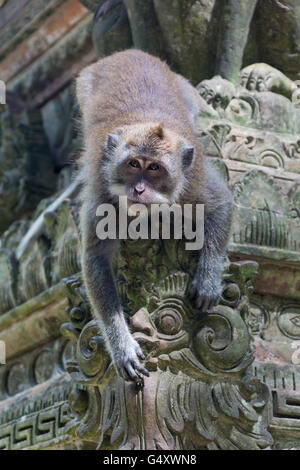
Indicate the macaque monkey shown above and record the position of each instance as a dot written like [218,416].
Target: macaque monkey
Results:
[139,124]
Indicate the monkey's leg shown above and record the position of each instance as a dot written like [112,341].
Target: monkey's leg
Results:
[206,287]
[102,292]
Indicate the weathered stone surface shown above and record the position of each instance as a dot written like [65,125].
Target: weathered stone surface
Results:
[20,18]
[111,29]
[207,37]
[233,35]
[202,361]
[92,4]
[54,255]
[44,78]
[43,421]
[36,367]
[59,115]
[50,32]
[279,42]
[27,170]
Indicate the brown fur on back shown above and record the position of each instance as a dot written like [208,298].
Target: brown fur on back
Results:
[132,87]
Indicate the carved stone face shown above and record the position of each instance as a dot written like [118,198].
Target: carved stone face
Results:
[217,92]
[162,331]
[163,326]
[241,111]
[196,365]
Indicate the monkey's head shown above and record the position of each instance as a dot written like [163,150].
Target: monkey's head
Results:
[147,163]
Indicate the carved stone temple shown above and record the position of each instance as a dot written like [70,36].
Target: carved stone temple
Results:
[229,379]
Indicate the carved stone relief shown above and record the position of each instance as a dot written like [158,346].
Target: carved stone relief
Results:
[202,360]
[225,380]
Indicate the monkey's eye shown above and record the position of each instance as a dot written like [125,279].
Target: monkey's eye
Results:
[134,164]
[154,167]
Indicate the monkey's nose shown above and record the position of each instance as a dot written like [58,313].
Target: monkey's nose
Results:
[140,188]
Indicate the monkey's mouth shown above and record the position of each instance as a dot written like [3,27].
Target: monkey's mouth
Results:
[138,200]
[146,199]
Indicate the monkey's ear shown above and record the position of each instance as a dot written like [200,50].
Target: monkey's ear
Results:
[112,141]
[157,131]
[187,155]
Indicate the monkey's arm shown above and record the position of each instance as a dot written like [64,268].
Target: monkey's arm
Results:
[102,292]
[206,287]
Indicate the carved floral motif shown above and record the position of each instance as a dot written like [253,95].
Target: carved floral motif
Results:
[199,393]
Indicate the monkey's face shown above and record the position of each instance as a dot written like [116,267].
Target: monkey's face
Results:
[149,168]
[144,179]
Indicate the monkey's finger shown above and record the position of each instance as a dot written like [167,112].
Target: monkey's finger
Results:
[131,372]
[199,302]
[202,303]
[192,291]
[139,351]
[141,369]
[123,373]
[211,304]
[140,354]
[217,300]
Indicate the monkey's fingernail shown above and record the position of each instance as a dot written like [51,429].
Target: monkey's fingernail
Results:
[142,370]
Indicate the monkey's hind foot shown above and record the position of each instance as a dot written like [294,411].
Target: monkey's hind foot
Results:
[203,295]
[126,361]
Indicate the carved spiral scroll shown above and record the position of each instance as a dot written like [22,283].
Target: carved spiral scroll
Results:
[91,354]
[221,340]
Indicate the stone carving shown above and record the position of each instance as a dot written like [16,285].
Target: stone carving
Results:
[58,117]
[34,368]
[195,362]
[288,321]
[214,38]
[37,430]
[264,215]
[243,125]
[23,146]
[8,276]
[62,229]
[53,255]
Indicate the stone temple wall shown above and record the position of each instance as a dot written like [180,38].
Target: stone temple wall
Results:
[227,380]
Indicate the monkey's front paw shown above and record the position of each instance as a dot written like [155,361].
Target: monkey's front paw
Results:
[126,361]
[205,295]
